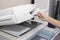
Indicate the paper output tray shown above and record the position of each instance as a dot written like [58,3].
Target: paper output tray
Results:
[19,29]
[15,30]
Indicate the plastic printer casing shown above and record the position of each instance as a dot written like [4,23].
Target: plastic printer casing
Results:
[15,15]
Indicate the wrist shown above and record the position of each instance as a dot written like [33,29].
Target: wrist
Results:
[47,18]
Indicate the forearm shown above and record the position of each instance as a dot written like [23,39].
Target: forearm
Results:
[53,21]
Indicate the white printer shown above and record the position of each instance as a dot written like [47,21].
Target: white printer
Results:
[15,15]
[18,23]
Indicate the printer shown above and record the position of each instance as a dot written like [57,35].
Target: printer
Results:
[15,15]
[19,22]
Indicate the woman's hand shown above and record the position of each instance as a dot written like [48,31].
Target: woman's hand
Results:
[48,19]
[41,16]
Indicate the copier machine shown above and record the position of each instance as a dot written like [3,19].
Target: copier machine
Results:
[16,21]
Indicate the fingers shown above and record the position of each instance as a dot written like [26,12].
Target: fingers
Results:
[40,15]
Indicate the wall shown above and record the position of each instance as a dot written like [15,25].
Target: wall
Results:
[42,4]
[11,3]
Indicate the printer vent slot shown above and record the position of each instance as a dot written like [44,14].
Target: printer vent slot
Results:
[5,20]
